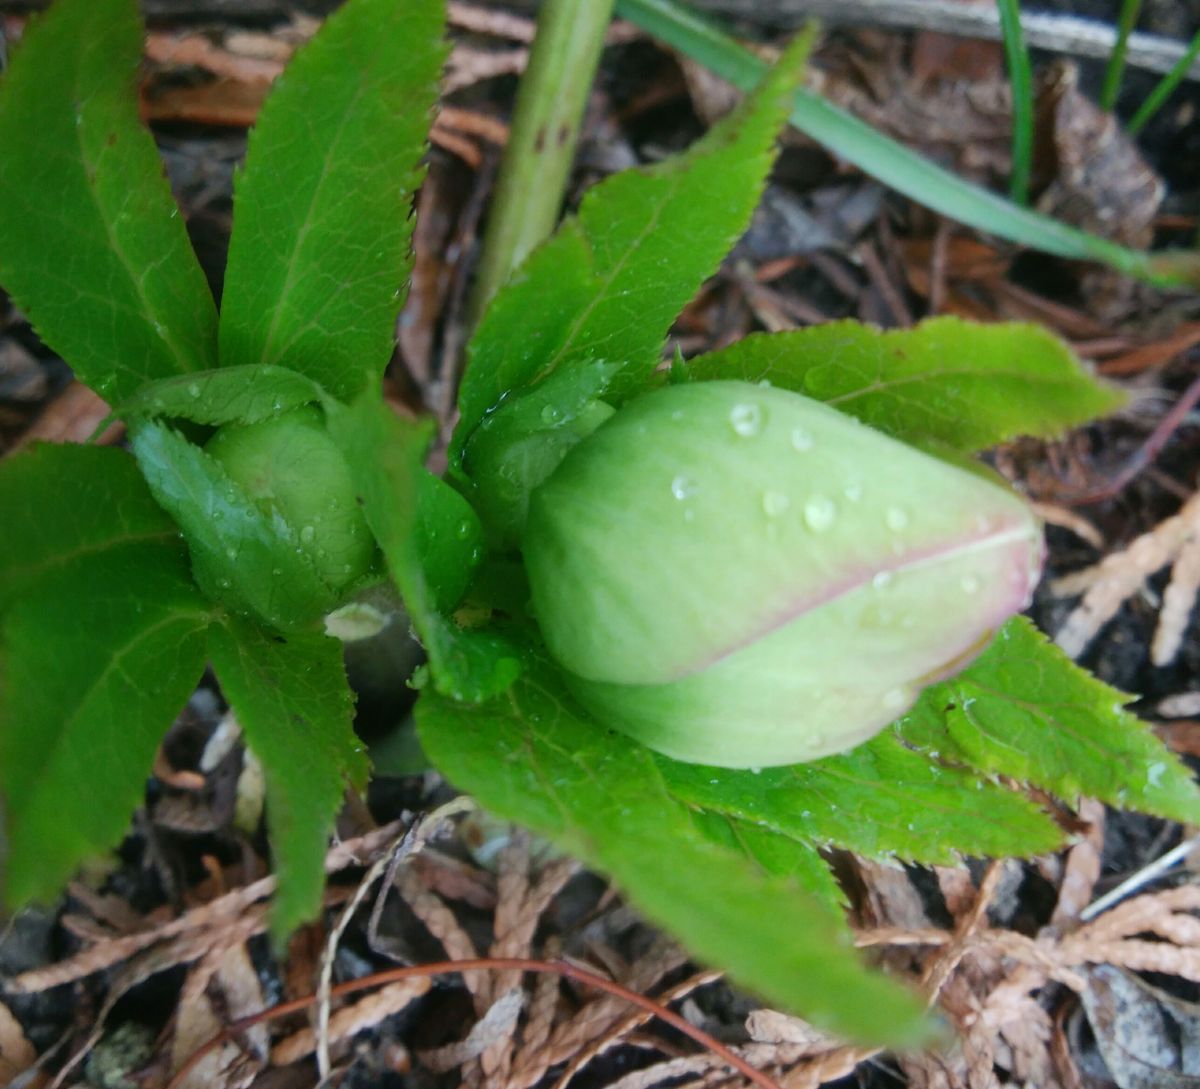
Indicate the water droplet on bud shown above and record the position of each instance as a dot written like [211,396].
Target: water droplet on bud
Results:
[746,420]
[801,439]
[881,579]
[896,518]
[774,503]
[969,584]
[307,534]
[819,513]
[682,487]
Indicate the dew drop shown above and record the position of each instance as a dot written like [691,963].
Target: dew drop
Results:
[689,515]
[774,503]
[551,415]
[463,531]
[277,571]
[895,699]
[969,584]
[194,389]
[801,439]
[307,534]
[682,487]
[677,414]
[232,553]
[819,513]
[746,420]
[881,579]
[896,518]
[853,492]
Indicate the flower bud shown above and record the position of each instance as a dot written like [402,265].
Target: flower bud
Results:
[737,575]
[293,471]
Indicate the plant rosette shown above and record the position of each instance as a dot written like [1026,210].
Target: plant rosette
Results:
[740,576]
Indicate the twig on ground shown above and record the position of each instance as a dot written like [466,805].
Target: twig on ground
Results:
[488,964]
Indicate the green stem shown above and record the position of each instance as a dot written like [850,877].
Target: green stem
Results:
[1115,69]
[1021,80]
[1164,88]
[541,145]
[899,167]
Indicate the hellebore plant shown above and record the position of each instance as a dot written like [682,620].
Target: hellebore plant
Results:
[660,609]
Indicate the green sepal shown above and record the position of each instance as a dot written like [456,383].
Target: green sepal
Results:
[386,454]
[521,443]
[449,540]
[249,562]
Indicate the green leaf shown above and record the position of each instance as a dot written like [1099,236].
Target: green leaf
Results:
[230,395]
[291,698]
[959,384]
[521,443]
[609,284]
[385,454]
[775,855]
[879,800]
[64,503]
[530,757]
[239,555]
[1025,710]
[508,351]
[91,244]
[449,540]
[98,660]
[322,213]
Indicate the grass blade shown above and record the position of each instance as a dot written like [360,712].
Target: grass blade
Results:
[899,167]
[1164,88]
[1020,77]
[1115,69]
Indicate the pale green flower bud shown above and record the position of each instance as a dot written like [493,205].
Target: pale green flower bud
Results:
[294,471]
[737,575]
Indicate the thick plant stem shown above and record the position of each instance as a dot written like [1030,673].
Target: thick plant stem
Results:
[541,145]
